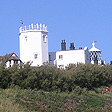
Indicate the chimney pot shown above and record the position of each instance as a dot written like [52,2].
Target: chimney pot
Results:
[63,45]
[72,46]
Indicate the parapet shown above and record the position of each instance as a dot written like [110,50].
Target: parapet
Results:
[32,27]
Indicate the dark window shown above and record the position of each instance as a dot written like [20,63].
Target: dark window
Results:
[49,57]
[35,56]
[60,56]
[15,62]
[44,38]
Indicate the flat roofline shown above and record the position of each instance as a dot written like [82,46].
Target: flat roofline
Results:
[70,50]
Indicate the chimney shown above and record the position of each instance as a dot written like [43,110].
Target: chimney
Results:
[72,46]
[63,45]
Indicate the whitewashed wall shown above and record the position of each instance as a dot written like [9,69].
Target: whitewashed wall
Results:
[72,57]
[32,42]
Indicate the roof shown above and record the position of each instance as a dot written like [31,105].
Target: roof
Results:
[80,48]
[94,48]
[10,56]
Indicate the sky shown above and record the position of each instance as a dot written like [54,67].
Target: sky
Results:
[77,21]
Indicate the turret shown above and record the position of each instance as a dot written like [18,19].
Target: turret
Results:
[95,54]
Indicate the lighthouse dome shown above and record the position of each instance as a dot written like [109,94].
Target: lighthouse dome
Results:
[94,48]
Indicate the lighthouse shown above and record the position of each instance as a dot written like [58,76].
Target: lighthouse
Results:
[95,55]
[34,44]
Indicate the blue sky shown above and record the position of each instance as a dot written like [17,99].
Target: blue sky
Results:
[78,21]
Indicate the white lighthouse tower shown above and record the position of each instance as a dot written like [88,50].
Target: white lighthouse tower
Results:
[95,55]
[34,44]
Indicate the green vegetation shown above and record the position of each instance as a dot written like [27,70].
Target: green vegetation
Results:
[21,100]
[7,102]
[47,88]
[50,78]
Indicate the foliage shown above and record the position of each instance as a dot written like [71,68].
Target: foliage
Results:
[78,79]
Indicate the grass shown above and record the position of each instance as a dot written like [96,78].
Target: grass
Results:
[7,102]
[18,100]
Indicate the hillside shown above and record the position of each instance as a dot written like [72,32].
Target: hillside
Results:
[22,100]
[50,89]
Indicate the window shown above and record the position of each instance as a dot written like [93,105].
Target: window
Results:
[60,56]
[9,63]
[45,38]
[15,62]
[35,56]
[25,38]
[61,66]
[50,58]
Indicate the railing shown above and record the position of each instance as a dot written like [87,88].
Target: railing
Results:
[33,27]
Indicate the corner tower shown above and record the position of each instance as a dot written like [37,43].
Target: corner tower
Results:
[33,44]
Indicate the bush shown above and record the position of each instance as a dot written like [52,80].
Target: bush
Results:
[77,90]
[78,79]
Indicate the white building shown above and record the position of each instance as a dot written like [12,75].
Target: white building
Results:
[10,59]
[72,56]
[64,58]
[34,48]
[34,44]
